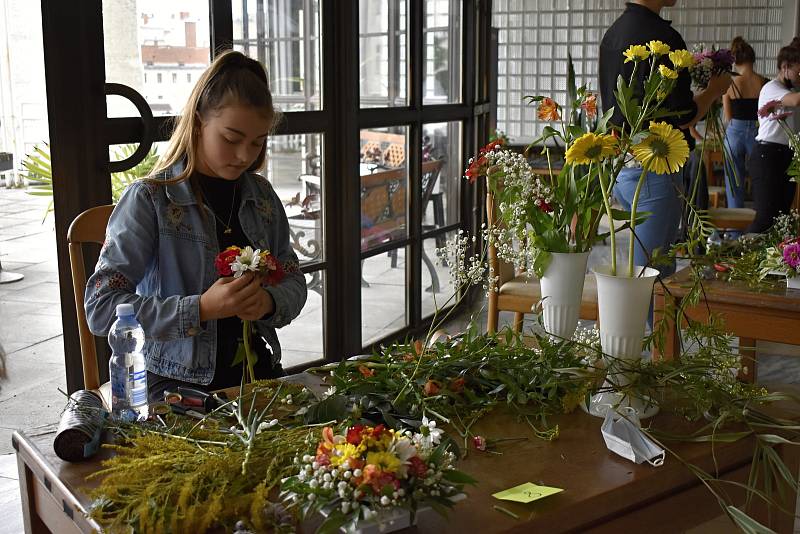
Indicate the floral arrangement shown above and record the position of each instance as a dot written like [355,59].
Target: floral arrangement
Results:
[236,261]
[367,472]
[784,257]
[561,212]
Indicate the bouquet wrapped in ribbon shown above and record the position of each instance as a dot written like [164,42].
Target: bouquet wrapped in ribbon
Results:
[236,261]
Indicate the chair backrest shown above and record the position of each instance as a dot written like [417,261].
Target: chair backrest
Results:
[88,227]
[395,155]
[503,270]
[430,174]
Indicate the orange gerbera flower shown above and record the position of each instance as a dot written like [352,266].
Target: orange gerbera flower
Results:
[548,110]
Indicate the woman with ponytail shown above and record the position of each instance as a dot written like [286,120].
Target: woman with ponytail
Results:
[740,106]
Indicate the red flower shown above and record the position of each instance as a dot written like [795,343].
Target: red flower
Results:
[224,259]
[365,371]
[430,388]
[479,442]
[457,385]
[478,165]
[378,430]
[417,467]
[720,267]
[544,206]
[354,434]
[273,276]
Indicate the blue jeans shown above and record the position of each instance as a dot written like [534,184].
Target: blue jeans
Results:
[740,138]
[659,195]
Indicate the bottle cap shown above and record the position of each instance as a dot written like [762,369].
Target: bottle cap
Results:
[124,310]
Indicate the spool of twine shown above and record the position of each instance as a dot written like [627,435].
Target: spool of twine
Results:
[81,425]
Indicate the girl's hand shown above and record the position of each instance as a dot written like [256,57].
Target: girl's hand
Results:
[256,302]
[224,298]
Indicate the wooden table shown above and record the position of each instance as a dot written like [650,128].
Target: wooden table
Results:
[603,492]
[770,314]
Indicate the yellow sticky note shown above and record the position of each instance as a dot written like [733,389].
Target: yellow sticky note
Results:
[527,492]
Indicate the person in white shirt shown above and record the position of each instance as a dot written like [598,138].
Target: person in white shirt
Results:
[773,192]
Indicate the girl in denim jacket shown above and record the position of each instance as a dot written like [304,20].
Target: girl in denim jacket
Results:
[166,231]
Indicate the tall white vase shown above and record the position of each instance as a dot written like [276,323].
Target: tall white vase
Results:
[562,291]
[624,304]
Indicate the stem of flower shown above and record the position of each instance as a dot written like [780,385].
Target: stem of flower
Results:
[633,221]
[248,351]
[607,203]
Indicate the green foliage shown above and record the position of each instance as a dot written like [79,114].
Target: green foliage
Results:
[39,172]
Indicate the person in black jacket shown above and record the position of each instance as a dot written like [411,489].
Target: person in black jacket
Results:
[641,23]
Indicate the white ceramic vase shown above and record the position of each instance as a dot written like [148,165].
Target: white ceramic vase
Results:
[624,304]
[793,282]
[562,291]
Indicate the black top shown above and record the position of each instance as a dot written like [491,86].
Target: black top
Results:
[223,198]
[745,109]
[639,25]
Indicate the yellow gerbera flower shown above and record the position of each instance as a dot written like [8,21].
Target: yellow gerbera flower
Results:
[636,53]
[664,151]
[658,48]
[681,59]
[344,452]
[667,72]
[591,147]
[386,461]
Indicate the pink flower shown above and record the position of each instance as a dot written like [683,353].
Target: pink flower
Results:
[769,108]
[791,255]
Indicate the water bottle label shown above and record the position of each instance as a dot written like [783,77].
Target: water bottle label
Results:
[138,381]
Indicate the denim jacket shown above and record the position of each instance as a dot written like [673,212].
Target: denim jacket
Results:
[159,255]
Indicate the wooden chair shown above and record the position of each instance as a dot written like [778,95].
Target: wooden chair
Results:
[88,227]
[394,156]
[519,293]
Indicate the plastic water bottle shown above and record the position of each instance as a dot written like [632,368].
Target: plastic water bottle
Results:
[126,367]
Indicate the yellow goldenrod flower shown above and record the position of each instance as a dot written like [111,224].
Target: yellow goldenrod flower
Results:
[385,461]
[681,59]
[658,48]
[636,53]
[664,151]
[591,147]
[667,72]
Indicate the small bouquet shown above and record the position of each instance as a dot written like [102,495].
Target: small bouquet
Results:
[708,63]
[784,258]
[236,261]
[367,473]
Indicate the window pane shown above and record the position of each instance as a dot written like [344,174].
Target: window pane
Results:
[301,340]
[384,179]
[157,48]
[442,51]
[294,164]
[437,291]
[441,174]
[383,295]
[121,180]
[285,38]
[382,52]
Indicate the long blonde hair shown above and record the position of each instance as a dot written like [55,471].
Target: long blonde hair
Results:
[232,78]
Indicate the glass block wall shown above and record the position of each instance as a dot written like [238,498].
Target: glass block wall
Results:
[535,36]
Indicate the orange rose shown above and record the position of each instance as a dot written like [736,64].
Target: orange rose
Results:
[457,385]
[365,371]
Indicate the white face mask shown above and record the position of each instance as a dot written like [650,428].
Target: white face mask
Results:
[623,435]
